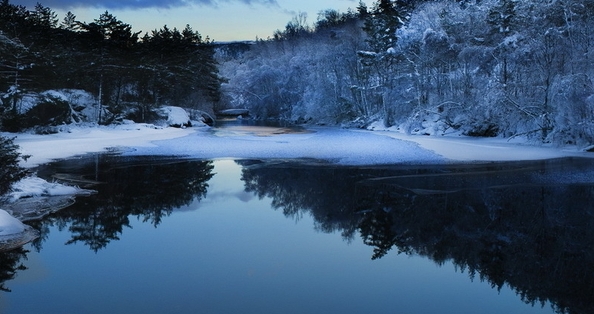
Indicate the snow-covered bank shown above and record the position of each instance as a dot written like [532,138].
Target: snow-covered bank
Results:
[472,149]
[13,233]
[343,146]
[356,147]
[81,140]
[9,225]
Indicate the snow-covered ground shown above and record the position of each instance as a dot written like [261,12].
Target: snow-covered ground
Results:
[9,225]
[81,140]
[343,146]
[472,149]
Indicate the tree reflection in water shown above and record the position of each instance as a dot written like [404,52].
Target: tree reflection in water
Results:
[10,263]
[148,189]
[490,221]
[145,188]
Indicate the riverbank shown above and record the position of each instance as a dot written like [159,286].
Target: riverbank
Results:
[341,146]
[81,140]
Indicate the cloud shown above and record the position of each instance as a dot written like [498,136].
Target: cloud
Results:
[133,4]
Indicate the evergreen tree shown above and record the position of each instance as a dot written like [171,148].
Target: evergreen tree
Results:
[502,17]
[69,22]
[380,62]
[10,171]
[43,17]
[13,19]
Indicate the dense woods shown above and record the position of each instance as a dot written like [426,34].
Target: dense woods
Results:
[481,68]
[125,73]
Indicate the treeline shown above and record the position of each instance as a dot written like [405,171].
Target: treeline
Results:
[128,74]
[482,68]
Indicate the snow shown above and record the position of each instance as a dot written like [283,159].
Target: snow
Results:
[9,225]
[332,144]
[469,149]
[80,140]
[35,187]
[176,116]
[343,146]
[13,233]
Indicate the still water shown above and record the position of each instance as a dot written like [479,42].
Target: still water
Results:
[226,236]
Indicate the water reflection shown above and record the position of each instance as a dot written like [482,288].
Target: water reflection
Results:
[507,224]
[533,239]
[145,188]
[10,263]
[491,221]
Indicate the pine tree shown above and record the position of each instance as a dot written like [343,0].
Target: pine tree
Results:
[43,17]
[502,17]
[379,63]
[69,23]
[381,25]
[10,171]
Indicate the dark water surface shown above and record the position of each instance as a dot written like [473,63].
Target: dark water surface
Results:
[225,236]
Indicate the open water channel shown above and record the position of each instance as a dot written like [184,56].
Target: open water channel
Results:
[168,235]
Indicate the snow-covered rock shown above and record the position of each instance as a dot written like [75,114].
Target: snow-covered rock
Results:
[9,225]
[32,198]
[175,116]
[36,187]
[13,233]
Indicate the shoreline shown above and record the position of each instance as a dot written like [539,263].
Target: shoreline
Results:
[333,144]
[82,140]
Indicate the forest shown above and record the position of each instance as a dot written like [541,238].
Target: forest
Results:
[488,68]
[491,68]
[125,75]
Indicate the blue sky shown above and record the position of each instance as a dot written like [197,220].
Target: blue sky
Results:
[222,20]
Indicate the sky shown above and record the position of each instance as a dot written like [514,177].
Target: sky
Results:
[221,20]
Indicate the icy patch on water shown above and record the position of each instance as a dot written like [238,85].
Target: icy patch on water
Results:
[33,198]
[571,171]
[33,186]
[329,144]
[34,208]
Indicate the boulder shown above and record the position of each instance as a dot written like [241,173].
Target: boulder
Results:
[175,116]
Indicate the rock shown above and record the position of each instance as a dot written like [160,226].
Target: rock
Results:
[13,233]
[175,116]
[9,225]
